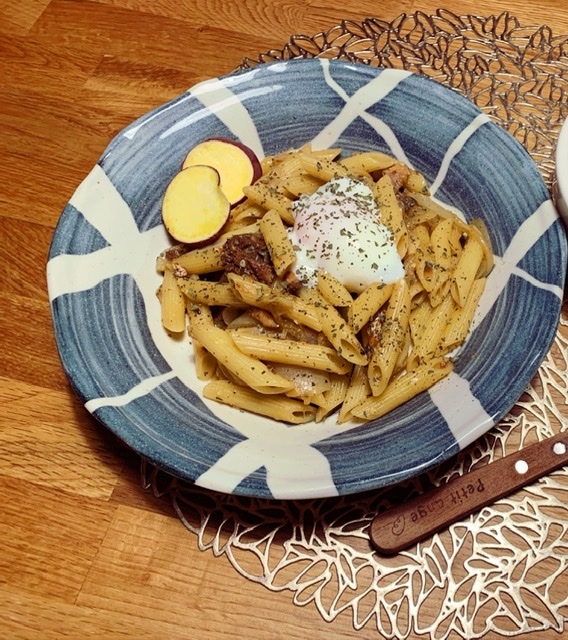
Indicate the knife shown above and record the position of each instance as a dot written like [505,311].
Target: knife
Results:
[411,521]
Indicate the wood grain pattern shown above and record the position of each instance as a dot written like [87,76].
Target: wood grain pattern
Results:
[410,522]
[86,553]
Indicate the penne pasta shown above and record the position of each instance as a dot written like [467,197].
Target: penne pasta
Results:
[246,211]
[424,257]
[249,370]
[461,318]
[430,341]
[333,291]
[278,242]
[205,362]
[172,303]
[336,329]
[443,250]
[209,293]
[299,184]
[321,168]
[368,162]
[276,407]
[296,351]
[357,391]
[385,355]
[310,385]
[271,198]
[403,389]
[200,261]
[302,354]
[416,183]
[333,397]
[466,270]
[391,213]
[367,304]
[260,295]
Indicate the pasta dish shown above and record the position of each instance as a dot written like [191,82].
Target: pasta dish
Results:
[338,285]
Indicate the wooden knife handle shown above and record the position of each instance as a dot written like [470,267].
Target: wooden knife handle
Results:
[413,520]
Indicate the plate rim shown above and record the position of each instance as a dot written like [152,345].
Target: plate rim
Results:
[372,483]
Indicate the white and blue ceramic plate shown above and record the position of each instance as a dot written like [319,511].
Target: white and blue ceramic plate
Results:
[140,383]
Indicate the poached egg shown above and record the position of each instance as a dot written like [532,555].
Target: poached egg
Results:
[338,229]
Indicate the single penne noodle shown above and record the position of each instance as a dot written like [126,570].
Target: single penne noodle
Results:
[249,370]
[323,154]
[368,161]
[417,293]
[436,209]
[416,183]
[270,197]
[442,243]
[261,295]
[247,211]
[401,243]
[391,211]
[309,384]
[199,313]
[209,293]
[332,398]
[367,303]
[478,230]
[424,258]
[403,389]
[321,168]
[300,184]
[242,224]
[271,163]
[305,149]
[289,166]
[336,329]
[446,245]
[431,340]
[333,290]
[419,321]
[238,229]
[278,241]
[456,242]
[402,359]
[223,373]
[466,270]
[318,401]
[385,355]
[205,363]
[172,304]
[273,180]
[275,406]
[419,215]
[292,352]
[461,318]
[357,391]
[200,261]
[335,396]
[268,163]
[443,247]
[440,293]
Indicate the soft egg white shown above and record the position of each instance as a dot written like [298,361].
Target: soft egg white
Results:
[338,229]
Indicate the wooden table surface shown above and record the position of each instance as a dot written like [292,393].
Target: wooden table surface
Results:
[85,551]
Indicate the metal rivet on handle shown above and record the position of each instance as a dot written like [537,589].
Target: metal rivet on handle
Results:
[559,448]
[521,467]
